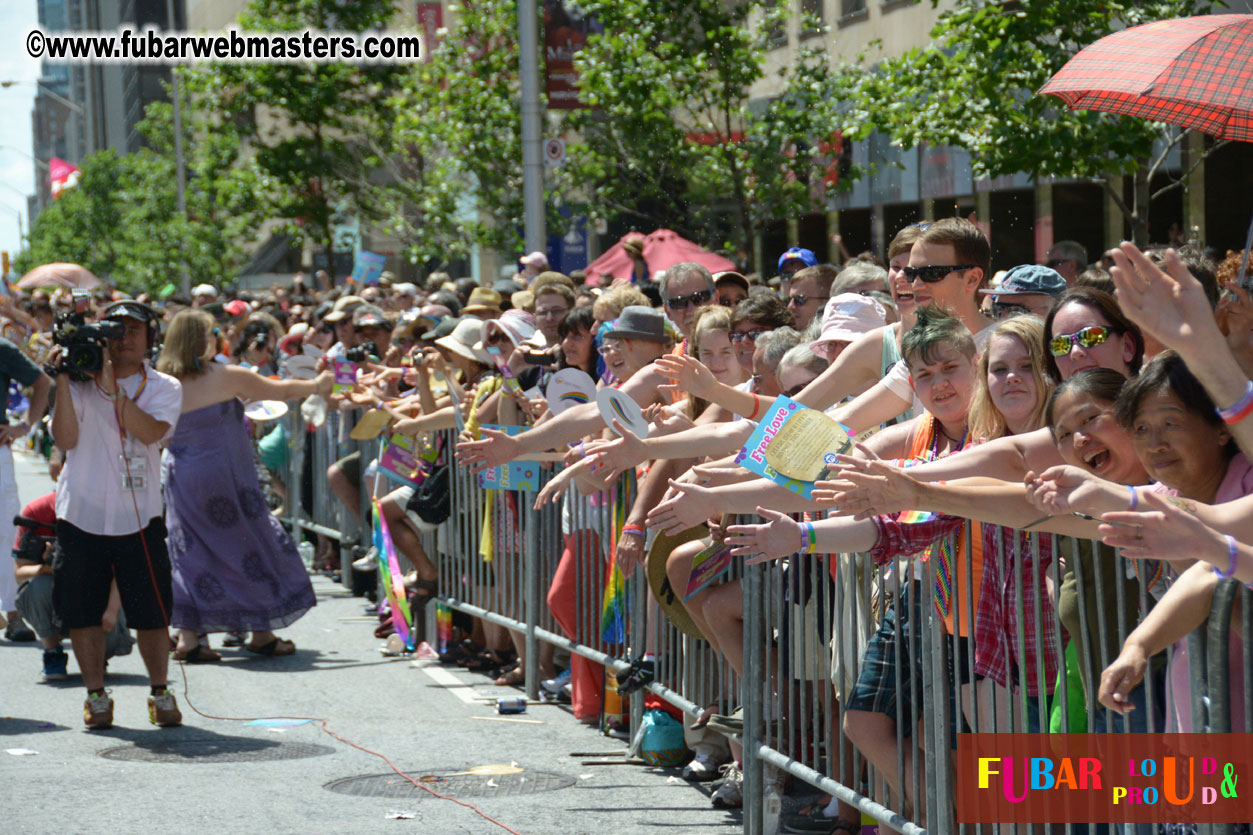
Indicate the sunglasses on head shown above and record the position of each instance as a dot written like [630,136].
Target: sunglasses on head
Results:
[1089,337]
[799,299]
[933,273]
[739,336]
[693,299]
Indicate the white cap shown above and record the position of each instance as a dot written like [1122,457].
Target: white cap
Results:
[204,290]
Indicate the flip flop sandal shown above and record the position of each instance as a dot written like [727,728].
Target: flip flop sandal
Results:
[513,678]
[278,646]
[197,655]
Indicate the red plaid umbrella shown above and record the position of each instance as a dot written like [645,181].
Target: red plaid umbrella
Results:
[1195,72]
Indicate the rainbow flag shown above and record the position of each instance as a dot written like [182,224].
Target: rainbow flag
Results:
[389,565]
[914,517]
[614,604]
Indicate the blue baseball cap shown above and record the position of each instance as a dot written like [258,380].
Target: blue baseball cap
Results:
[796,253]
[1029,279]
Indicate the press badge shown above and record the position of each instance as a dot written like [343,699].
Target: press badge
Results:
[133,466]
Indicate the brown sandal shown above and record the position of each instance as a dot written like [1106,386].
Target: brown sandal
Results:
[197,655]
[514,678]
[279,646]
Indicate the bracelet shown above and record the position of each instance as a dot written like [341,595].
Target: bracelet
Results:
[809,538]
[756,406]
[1241,409]
[1232,554]
[634,530]
[1135,498]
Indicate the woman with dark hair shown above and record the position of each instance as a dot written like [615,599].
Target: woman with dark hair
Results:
[1086,329]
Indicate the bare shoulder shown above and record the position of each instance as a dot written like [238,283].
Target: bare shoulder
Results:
[891,442]
[1038,449]
[642,387]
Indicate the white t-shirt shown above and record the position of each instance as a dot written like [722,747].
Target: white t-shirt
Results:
[91,494]
[898,376]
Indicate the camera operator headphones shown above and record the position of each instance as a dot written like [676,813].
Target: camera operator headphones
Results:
[131,309]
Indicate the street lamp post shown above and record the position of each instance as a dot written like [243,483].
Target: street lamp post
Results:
[77,108]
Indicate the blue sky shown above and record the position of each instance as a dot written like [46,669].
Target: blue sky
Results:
[17,17]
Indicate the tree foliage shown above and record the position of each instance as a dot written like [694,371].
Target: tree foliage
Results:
[674,137]
[973,87]
[304,123]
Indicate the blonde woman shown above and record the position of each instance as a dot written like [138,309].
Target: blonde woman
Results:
[234,567]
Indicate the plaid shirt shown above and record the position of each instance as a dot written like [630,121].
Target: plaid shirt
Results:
[997,612]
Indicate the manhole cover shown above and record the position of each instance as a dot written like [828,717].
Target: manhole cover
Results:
[451,783]
[216,751]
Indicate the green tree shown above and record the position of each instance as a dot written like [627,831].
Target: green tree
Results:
[673,135]
[456,160]
[973,87]
[303,122]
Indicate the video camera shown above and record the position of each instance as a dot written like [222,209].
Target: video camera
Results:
[32,547]
[84,345]
[362,352]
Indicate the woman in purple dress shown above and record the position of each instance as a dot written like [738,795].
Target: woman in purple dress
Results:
[235,568]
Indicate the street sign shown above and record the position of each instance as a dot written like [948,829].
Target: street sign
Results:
[554,152]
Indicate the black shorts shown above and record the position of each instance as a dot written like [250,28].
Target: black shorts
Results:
[86,563]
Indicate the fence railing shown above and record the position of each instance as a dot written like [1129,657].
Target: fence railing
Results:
[1038,633]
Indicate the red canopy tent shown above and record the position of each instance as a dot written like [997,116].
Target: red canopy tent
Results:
[662,249]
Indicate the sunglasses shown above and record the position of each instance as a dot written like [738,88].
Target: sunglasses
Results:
[1054,263]
[1089,337]
[551,312]
[795,390]
[799,299]
[694,299]
[1004,311]
[933,273]
[739,336]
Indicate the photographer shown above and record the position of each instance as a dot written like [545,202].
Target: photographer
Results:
[14,365]
[109,510]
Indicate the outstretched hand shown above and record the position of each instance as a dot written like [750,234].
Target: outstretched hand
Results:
[687,506]
[1169,304]
[495,448]
[779,536]
[687,375]
[1062,489]
[1163,529]
[864,489]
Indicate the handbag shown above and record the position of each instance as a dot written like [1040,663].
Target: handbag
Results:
[431,501]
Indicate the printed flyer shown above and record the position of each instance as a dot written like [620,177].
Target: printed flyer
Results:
[518,476]
[794,446]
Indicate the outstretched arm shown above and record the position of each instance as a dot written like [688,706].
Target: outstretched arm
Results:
[1183,608]
[855,370]
[1172,306]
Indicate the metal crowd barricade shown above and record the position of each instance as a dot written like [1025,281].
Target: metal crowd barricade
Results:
[805,631]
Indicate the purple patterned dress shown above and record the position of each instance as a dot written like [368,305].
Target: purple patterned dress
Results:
[235,568]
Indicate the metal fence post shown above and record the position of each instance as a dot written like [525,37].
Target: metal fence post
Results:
[531,566]
[753,689]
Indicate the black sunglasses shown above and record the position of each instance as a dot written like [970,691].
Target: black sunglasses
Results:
[698,298]
[799,299]
[1054,263]
[739,336]
[933,273]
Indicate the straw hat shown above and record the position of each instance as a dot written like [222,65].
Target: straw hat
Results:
[671,602]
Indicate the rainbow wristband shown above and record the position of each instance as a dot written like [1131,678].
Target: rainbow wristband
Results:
[1232,554]
[809,538]
[1241,409]
[634,530]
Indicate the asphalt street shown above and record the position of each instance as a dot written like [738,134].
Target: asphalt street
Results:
[221,775]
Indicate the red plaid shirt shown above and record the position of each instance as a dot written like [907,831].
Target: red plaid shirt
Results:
[997,613]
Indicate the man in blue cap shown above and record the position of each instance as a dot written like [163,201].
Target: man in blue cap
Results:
[795,259]
[1027,288]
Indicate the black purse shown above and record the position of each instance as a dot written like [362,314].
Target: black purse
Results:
[432,499]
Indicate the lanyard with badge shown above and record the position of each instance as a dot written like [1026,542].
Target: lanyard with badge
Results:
[133,459]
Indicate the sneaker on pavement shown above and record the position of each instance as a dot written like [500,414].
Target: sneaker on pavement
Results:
[98,712]
[163,710]
[730,792]
[705,765]
[18,632]
[369,562]
[55,661]
[554,685]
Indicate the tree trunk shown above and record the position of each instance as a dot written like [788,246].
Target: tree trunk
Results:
[1140,220]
